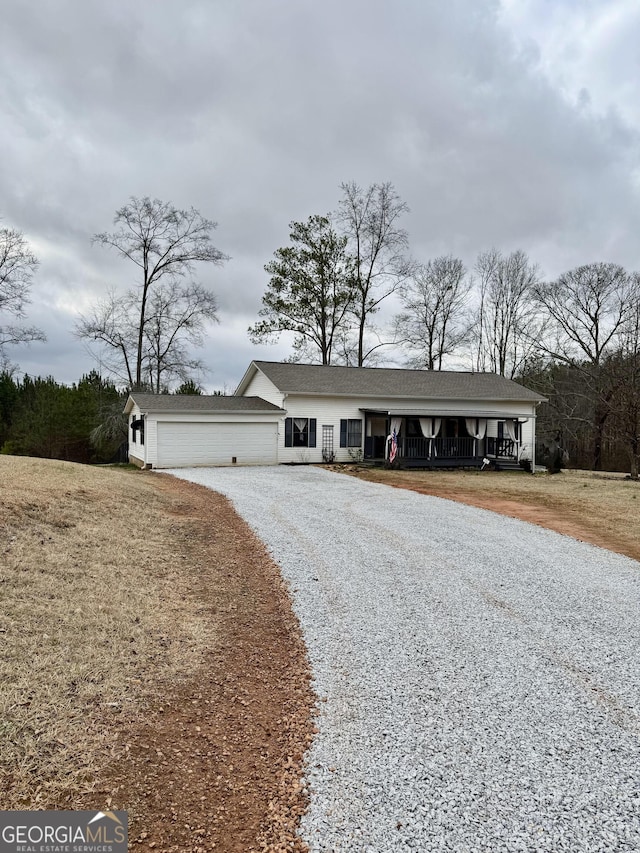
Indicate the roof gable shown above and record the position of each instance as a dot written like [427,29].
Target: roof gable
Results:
[331,381]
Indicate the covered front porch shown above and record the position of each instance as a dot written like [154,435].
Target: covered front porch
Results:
[447,440]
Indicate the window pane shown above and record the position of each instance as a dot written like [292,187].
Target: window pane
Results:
[301,432]
[354,436]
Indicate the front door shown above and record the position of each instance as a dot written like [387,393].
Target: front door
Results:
[451,428]
[376,437]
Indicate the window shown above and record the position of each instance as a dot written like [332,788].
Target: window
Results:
[299,432]
[503,432]
[350,432]
[137,424]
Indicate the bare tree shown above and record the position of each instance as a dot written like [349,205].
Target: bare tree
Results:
[345,348]
[371,221]
[176,319]
[626,364]
[310,291]
[17,266]
[508,327]
[112,323]
[164,243]
[434,324]
[588,309]
[176,322]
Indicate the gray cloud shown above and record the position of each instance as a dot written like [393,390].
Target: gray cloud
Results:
[255,113]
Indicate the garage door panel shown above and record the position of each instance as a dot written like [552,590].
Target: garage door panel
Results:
[184,444]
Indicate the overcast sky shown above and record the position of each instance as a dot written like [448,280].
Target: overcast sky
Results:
[506,123]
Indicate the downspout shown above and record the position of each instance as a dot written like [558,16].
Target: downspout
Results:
[146,438]
[282,406]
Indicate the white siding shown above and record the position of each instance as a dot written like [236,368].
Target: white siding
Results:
[136,450]
[151,439]
[260,386]
[327,411]
[527,449]
[182,443]
[330,410]
[527,435]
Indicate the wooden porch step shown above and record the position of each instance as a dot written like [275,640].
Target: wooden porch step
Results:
[508,465]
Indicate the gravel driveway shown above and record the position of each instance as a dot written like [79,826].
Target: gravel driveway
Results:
[479,677]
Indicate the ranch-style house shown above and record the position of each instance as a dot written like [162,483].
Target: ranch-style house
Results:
[297,413]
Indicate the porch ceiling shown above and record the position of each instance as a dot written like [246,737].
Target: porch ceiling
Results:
[445,413]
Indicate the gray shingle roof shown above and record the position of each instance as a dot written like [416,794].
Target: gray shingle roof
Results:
[201,403]
[392,382]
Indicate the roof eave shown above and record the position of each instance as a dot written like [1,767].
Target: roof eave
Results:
[412,396]
[214,411]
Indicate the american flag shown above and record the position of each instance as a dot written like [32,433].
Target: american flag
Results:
[394,447]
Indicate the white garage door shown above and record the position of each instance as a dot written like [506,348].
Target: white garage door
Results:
[184,444]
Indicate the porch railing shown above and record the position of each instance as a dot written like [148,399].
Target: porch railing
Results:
[501,447]
[417,447]
[426,448]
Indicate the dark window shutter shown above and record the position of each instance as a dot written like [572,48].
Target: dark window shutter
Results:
[343,433]
[288,432]
[312,432]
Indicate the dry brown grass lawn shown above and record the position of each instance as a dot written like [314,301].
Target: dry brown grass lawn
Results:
[600,508]
[92,617]
[149,660]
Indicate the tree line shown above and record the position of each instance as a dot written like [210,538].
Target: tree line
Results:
[81,422]
[41,417]
[575,338]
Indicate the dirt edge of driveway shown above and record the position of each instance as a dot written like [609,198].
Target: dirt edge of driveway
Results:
[217,765]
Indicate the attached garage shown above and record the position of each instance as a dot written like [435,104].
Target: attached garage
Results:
[178,431]
[216,443]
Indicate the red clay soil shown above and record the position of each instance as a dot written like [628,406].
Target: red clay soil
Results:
[216,766]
